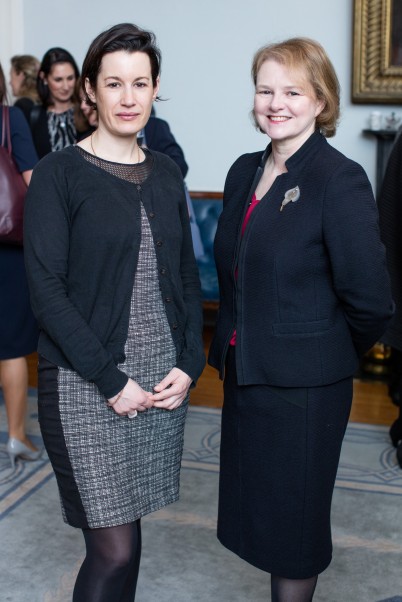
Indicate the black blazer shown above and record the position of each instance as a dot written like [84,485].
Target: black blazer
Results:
[312,291]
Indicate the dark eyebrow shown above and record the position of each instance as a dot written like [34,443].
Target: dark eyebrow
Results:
[116,77]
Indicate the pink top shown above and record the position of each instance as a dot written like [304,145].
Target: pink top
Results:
[250,209]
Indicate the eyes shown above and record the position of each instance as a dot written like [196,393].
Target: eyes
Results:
[289,93]
[115,84]
[70,78]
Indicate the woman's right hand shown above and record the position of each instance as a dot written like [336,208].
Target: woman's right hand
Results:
[131,399]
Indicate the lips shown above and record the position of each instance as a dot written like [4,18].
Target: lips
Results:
[277,119]
[127,116]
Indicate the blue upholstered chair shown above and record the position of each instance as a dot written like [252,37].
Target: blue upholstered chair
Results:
[207,212]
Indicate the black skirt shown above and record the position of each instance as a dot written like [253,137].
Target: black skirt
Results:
[280,451]
[18,329]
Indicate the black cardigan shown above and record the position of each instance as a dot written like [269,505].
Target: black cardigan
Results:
[82,237]
[312,292]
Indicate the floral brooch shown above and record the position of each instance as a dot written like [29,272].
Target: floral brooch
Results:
[291,196]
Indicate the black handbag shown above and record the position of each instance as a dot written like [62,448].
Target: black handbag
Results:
[12,189]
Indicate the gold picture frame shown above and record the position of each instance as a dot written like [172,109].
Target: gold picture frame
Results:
[377,52]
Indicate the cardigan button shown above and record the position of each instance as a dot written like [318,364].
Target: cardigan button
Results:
[163,271]
[152,214]
[168,299]
[159,243]
[175,326]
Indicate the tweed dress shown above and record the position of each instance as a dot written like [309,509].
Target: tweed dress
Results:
[121,468]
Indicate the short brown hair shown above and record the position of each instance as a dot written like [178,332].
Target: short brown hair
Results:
[124,36]
[309,56]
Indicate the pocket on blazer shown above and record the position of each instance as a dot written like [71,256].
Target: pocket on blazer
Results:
[302,328]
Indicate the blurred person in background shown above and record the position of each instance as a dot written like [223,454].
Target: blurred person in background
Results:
[18,329]
[23,74]
[53,122]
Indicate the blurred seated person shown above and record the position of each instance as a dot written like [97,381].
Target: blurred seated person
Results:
[23,73]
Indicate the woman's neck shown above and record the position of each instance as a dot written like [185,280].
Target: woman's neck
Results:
[60,107]
[282,150]
[277,159]
[119,149]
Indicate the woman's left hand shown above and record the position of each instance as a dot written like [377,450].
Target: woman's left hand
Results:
[172,390]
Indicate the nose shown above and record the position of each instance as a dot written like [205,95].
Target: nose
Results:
[276,102]
[128,96]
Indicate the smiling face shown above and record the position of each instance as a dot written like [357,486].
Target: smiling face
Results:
[285,105]
[61,82]
[124,92]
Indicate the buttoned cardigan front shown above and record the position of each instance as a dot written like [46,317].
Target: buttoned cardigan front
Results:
[82,238]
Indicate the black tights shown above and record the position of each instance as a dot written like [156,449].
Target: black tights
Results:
[292,590]
[109,572]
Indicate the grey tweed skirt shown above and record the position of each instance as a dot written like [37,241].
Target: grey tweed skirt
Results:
[110,469]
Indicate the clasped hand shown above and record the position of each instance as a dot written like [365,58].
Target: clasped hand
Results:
[168,394]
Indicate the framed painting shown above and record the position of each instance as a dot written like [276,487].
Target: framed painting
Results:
[377,52]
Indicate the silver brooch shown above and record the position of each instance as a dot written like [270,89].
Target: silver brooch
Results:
[291,195]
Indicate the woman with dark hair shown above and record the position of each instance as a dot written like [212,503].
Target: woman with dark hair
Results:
[304,293]
[18,329]
[53,123]
[115,289]
[23,74]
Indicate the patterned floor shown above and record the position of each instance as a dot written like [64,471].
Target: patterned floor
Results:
[367,461]
[366,527]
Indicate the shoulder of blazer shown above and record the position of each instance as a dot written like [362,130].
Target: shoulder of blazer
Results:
[242,172]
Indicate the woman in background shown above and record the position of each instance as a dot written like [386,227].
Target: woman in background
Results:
[304,293]
[18,329]
[115,288]
[23,75]
[52,123]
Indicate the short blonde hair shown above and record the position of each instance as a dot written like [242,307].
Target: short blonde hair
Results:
[308,56]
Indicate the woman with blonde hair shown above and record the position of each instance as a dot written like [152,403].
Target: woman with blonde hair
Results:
[304,293]
[23,73]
